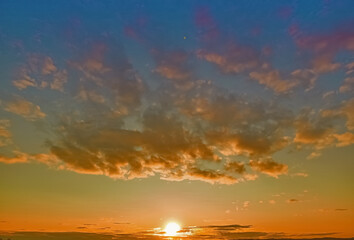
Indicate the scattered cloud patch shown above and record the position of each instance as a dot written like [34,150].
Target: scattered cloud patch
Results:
[24,108]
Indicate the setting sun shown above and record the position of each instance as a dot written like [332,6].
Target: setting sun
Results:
[171,229]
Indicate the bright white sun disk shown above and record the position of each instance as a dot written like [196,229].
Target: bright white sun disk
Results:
[172,229]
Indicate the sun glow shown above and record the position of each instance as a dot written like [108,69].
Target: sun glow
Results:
[172,229]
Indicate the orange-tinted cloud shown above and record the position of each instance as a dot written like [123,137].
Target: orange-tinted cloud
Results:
[269,167]
[348,85]
[210,176]
[39,71]
[235,167]
[323,64]
[105,69]
[312,129]
[319,129]
[90,95]
[235,59]
[24,108]
[273,81]
[176,67]
[5,134]
[325,47]
[344,139]
[163,147]
[350,68]
[21,157]
[18,158]
[346,111]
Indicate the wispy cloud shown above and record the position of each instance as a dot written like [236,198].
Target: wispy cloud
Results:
[24,108]
[5,134]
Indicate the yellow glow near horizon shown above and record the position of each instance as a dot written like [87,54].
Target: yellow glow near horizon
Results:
[172,229]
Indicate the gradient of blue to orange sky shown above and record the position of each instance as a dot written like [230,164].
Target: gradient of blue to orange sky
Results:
[234,119]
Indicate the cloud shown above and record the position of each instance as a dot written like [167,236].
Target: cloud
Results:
[25,81]
[292,200]
[175,66]
[340,209]
[212,231]
[24,108]
[231,123]
[323,64]
[235,167]
[269,167]
[87,94]
[59,80]
[181,133]
[163,147]
[104,68]
[350,68]
[325,47]
[304,77]
[21,157]
[312,128]
[320,129]
[272,79]
[348,85]
[236,231]
[136,28]
[230,227]
[248,142]
[228,55]
[285,12]
[348,111]
[119,127]
[235,59]
[170,139]
[163,143]
[48,66]
[246,204]
[40,71]
[81,227]
[211,176]
[300,174]
[5,134]
[206,24]
[217,232]
[344,139]
[344,111]
[18,158]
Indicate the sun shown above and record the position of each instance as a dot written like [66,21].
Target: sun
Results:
[172,229]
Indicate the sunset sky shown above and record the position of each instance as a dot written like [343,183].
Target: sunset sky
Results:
[233,119]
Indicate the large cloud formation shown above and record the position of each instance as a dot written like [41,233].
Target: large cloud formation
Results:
[111,120]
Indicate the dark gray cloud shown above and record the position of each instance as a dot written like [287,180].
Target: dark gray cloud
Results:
[224,233]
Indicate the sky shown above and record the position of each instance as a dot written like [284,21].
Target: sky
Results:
[234,119]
